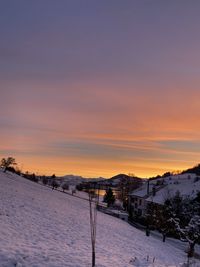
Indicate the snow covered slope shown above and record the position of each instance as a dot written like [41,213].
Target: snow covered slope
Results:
[40,227]
[188,185]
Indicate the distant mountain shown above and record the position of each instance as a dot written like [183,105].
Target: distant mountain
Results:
[113,181]
[72,179]
[121,178]
[75,179]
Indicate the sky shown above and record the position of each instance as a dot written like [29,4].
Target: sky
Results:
[97,88]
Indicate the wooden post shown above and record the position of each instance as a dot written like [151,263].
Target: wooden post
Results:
[93,204]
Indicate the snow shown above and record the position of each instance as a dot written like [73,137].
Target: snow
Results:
[186,187]
[184,183]
[142,191]
[41,227]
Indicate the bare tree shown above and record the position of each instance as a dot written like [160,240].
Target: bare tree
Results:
[93,203]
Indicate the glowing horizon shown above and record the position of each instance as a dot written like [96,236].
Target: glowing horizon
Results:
[100,88]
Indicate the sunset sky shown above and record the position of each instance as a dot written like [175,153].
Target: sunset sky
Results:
[97,88]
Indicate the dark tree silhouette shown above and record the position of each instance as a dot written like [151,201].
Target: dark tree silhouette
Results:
[54,184]
[6,163]
[44,180]
[109,197]
[65,186]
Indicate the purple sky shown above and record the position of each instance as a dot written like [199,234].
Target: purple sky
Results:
[100,87]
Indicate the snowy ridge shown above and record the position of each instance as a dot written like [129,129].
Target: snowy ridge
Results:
[45,228]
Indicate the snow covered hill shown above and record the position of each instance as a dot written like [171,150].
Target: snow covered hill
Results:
[40,227]
[188,185]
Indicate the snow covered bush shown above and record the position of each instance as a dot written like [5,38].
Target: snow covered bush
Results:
[191,233]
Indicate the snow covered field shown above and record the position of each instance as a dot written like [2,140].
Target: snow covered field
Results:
[40,227]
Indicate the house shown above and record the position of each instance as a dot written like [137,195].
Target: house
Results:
[158,190]
[138,199]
